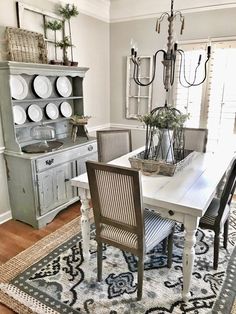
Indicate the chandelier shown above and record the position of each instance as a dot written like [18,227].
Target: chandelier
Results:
[169,57]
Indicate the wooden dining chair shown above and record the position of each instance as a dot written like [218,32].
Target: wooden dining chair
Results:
[216,217]
[195,139]
[113,144]
[120,219]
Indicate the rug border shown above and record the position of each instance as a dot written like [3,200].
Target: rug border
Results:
[30,256]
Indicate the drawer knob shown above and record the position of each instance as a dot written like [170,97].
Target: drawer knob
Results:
[49,161]
[171,213]
[90,148]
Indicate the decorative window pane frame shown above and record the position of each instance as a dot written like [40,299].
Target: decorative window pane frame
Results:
[138,98]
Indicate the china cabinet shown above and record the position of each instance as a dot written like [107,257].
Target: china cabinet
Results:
[34,98]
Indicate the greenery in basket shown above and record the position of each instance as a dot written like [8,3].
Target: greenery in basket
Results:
[67,12]
[166,117]
[54,26]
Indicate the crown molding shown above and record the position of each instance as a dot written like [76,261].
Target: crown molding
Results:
[139,9]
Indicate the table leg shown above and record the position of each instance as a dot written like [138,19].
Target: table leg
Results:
[85,224]
[190,226]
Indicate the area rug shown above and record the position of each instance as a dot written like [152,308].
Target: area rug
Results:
[52,277]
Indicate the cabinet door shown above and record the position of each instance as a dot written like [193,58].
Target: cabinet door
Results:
[54,187]
[81,166]
[63,188]
[46,191]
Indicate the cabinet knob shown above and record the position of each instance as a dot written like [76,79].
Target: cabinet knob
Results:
[67,179]
[171,213]
[90,148]
[49,161]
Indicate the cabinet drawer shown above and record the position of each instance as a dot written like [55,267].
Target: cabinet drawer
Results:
[62,157]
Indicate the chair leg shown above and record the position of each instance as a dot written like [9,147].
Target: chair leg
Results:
[99,261]
[216,250]
[226,231]
[164,245]
[170,249]
[140,278]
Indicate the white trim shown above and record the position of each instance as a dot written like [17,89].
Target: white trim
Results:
[128,126]
[100,9]
[122,16]
[98,127]
[5,217]
[2,149]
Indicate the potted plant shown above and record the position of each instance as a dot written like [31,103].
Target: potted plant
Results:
[67,12]
[64,44]
[54,26]
[162,130]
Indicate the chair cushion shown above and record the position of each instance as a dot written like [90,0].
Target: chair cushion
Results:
[120,236]
[156,229]
[212,213]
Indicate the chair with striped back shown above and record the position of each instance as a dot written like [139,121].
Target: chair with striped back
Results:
[216,217]
[120,219]
[195,139]
[113,144]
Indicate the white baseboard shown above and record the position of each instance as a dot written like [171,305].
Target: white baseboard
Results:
[5,217]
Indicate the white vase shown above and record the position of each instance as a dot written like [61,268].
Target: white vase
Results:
[166,151]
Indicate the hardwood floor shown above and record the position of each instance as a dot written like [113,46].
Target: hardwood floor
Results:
[17,236]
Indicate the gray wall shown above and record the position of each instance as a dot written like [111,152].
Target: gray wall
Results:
[218,23]
[91,38]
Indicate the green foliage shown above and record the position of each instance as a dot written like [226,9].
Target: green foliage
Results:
[166,118]
[54,25]
[65,43]
[68,11]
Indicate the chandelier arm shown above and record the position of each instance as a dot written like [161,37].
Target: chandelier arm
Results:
[181,52]
[136,70]
[172,71]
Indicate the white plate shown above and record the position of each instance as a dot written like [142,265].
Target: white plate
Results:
[52,111]
[35,113]
[19,87]
[19,115]
[63,86]
[66,109]
[42,86]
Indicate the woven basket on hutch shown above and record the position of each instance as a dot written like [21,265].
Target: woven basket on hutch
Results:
[26,46]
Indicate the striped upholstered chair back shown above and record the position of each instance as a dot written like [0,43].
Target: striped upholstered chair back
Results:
[120,218]
[115,194]
[113,144]
[195,139]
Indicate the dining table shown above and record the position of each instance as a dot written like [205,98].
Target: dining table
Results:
[183,197]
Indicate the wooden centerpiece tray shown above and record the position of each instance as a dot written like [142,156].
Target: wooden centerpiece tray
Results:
[153,166]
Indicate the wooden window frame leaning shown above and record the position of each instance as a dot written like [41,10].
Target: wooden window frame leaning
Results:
[22,7]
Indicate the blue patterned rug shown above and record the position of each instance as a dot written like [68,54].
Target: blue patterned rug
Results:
[52,277]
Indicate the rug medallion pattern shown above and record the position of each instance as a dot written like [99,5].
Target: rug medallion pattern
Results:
[65,282]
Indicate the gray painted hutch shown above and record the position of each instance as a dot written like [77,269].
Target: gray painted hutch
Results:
[39,183]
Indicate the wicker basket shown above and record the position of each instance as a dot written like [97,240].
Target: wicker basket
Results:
[149,166]
[25,46]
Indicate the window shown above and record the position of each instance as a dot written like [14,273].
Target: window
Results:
[212,104]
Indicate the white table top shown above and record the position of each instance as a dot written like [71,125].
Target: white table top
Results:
[190,191]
